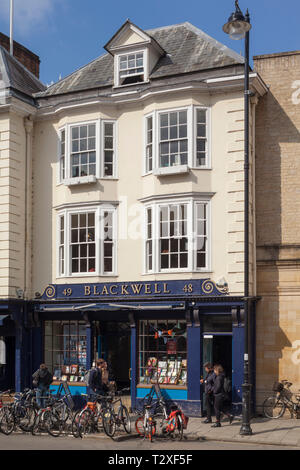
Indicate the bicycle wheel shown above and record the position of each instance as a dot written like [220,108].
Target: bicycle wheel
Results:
[86,423]
[273,408]
[149,428]
[178,429]
[36,423]
[7,422]
[139,426]
[27,420]
[125,418]
[52,422]
[74,425]
[109,423]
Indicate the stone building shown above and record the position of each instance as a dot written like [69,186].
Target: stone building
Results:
[277,202]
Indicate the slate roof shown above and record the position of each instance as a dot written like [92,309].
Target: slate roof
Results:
[188,49]
[15,76]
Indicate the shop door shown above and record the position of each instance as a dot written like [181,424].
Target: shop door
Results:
[216,349]
[115,347]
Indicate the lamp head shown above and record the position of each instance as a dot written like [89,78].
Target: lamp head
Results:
[237,25]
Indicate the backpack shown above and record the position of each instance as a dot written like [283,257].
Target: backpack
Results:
[227,385]
[87,376]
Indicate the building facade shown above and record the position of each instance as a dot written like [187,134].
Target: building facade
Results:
[277,208]
[135,210]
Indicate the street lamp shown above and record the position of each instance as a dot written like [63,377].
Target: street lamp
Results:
[238,27]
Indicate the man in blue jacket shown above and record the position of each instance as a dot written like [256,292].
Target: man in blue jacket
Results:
[208,382]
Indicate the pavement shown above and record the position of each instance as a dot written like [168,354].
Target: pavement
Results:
[277,432]
[271,432]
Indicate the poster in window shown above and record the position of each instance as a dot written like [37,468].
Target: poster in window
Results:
[171,346]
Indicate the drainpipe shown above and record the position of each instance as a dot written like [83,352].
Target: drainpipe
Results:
[28,125]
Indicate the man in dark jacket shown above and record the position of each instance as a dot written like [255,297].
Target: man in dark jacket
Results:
[219,395]
[42,380]
[97,384]
[208,382]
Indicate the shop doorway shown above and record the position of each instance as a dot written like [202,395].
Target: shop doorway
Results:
[114,344]
[216,349]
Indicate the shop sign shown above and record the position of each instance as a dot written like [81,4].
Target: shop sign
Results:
[121,290]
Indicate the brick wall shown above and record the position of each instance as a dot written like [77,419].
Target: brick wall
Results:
[278,222]
[30,60]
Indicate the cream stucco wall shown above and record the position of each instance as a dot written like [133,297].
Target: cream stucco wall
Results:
[12,205]
[225,179]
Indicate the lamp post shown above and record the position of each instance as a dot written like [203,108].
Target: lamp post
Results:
[238,27]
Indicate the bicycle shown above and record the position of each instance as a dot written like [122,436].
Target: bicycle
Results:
[90,418]
[274,407]
[48,419]
[20,413]
[113,420]
[155,413]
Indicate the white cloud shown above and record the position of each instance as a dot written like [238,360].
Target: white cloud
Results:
[28,13]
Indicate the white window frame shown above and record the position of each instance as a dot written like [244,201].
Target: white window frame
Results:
[191,138]
[115,140]
[207,165]
[99,237]
[127,52]
[145,163]
[69,179]
[191,228]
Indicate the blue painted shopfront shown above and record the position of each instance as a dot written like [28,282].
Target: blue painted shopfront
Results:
[196,303]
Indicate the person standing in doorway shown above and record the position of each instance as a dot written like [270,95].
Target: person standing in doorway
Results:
[219,396]
[42,380]
[208,382]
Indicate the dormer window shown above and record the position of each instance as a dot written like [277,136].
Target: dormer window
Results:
[135,55]
[131,68]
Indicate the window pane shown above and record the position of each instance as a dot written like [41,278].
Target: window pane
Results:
[75,132]
[91,250]
[109,129]
[83,145]
[91,143]
[75,146]
[108,265]
[201,115]
[74,220]
[182,131]
[164,120]
[201,130]
[83,132]
[92,130]
[182,117]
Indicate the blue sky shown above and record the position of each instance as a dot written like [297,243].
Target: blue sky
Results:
[68,34]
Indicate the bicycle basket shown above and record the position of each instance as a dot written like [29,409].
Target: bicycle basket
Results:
[277,387]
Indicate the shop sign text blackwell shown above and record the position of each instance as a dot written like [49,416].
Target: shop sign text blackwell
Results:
[179,288]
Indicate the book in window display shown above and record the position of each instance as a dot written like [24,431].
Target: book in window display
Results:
[57,374]
[163,375]
[74,369]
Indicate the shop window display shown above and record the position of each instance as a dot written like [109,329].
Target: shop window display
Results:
[65,349]
[163,352]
